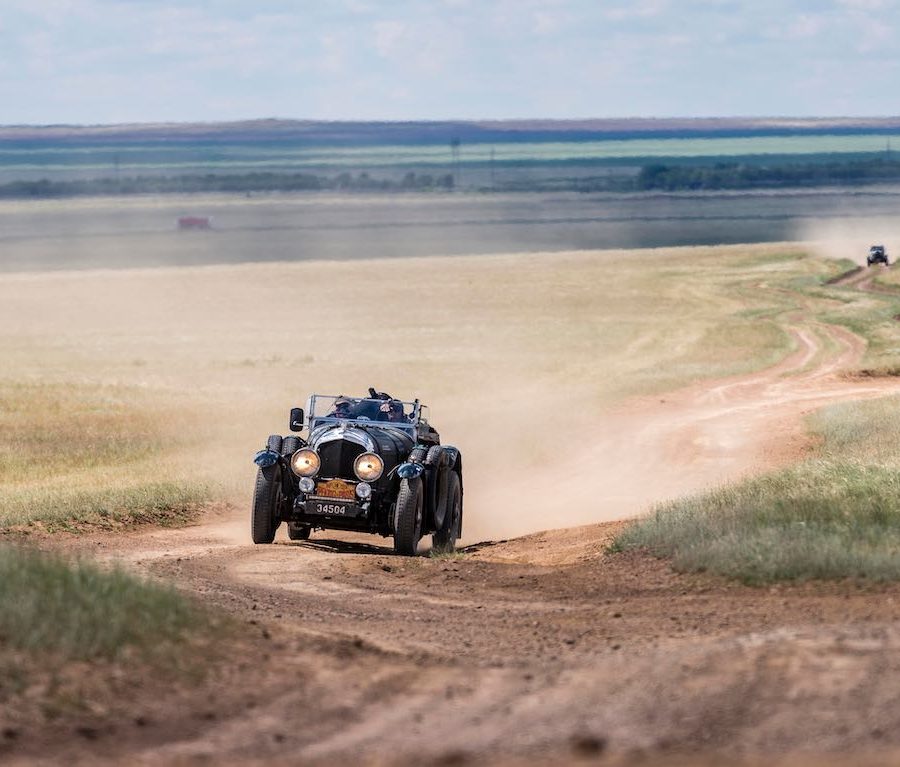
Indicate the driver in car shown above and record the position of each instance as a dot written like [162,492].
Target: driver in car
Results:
[341,408]
[391,411]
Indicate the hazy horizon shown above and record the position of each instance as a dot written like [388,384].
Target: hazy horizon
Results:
[785,120]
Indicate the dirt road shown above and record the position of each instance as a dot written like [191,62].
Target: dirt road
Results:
[541,649]
[653,448]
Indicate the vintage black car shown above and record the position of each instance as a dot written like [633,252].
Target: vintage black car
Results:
[371,464]
[877,255]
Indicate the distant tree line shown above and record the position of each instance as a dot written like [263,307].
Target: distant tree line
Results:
[241,183]
[745,176]
[680,175]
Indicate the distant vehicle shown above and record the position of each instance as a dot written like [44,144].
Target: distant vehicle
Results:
[877,255]
[370,464]
[195,222]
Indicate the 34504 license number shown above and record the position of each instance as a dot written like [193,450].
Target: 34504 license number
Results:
[337,509]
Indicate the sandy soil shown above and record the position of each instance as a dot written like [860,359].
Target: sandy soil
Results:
[540,649]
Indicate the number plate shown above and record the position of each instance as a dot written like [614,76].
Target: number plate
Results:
[331,508]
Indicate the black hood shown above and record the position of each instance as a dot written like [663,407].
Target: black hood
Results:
[338,445]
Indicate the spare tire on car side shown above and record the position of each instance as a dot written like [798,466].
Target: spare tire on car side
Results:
[290,445]
[444,539]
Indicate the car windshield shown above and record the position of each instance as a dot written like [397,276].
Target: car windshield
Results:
[330,408]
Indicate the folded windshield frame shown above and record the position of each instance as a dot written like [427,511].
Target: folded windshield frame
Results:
[364,411]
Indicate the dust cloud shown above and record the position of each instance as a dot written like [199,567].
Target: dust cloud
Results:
[228,351]
[217,344]
[850,238]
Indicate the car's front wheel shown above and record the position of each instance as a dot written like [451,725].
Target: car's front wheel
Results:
[267,502]
[444,538]
[408,516]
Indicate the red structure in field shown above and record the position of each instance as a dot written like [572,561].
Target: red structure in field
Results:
[195,222]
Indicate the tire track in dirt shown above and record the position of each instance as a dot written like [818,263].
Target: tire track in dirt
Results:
[863,278]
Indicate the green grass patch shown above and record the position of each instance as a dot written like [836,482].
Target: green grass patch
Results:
[870,315]
[864,432]
[442,554]
[78,611]
[58,507]
[816,520]
[835,516]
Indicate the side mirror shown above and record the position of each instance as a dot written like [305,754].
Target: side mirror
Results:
[296,419]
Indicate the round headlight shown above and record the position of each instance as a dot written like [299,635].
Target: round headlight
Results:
[305,462]
[306,484]
[363,491]
[368,467]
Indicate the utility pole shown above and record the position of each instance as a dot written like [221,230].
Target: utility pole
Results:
[493,176]
[454,154]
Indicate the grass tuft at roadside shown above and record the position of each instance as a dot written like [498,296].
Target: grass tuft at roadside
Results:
[834,516]
[79,611]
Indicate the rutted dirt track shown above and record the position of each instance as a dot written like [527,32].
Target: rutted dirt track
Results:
[542,648]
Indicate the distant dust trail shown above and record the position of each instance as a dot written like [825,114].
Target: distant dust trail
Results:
[850,238]
[654,448]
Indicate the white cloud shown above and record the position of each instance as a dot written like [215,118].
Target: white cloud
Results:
[548,22]
[360,6]
[388,34]
[805,26]
[333,59]
[862,5]
[640,9]
[874,36]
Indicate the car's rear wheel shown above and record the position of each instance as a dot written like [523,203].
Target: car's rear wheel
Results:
[267,502]
[408,516]
[444,539]
[298,532]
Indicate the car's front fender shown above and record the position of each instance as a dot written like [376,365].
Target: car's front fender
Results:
[266,458]
[410,470]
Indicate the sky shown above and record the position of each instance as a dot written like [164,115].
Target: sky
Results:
[115,61]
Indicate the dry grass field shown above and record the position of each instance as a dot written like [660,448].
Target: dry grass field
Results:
[581,387]
[170,378]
